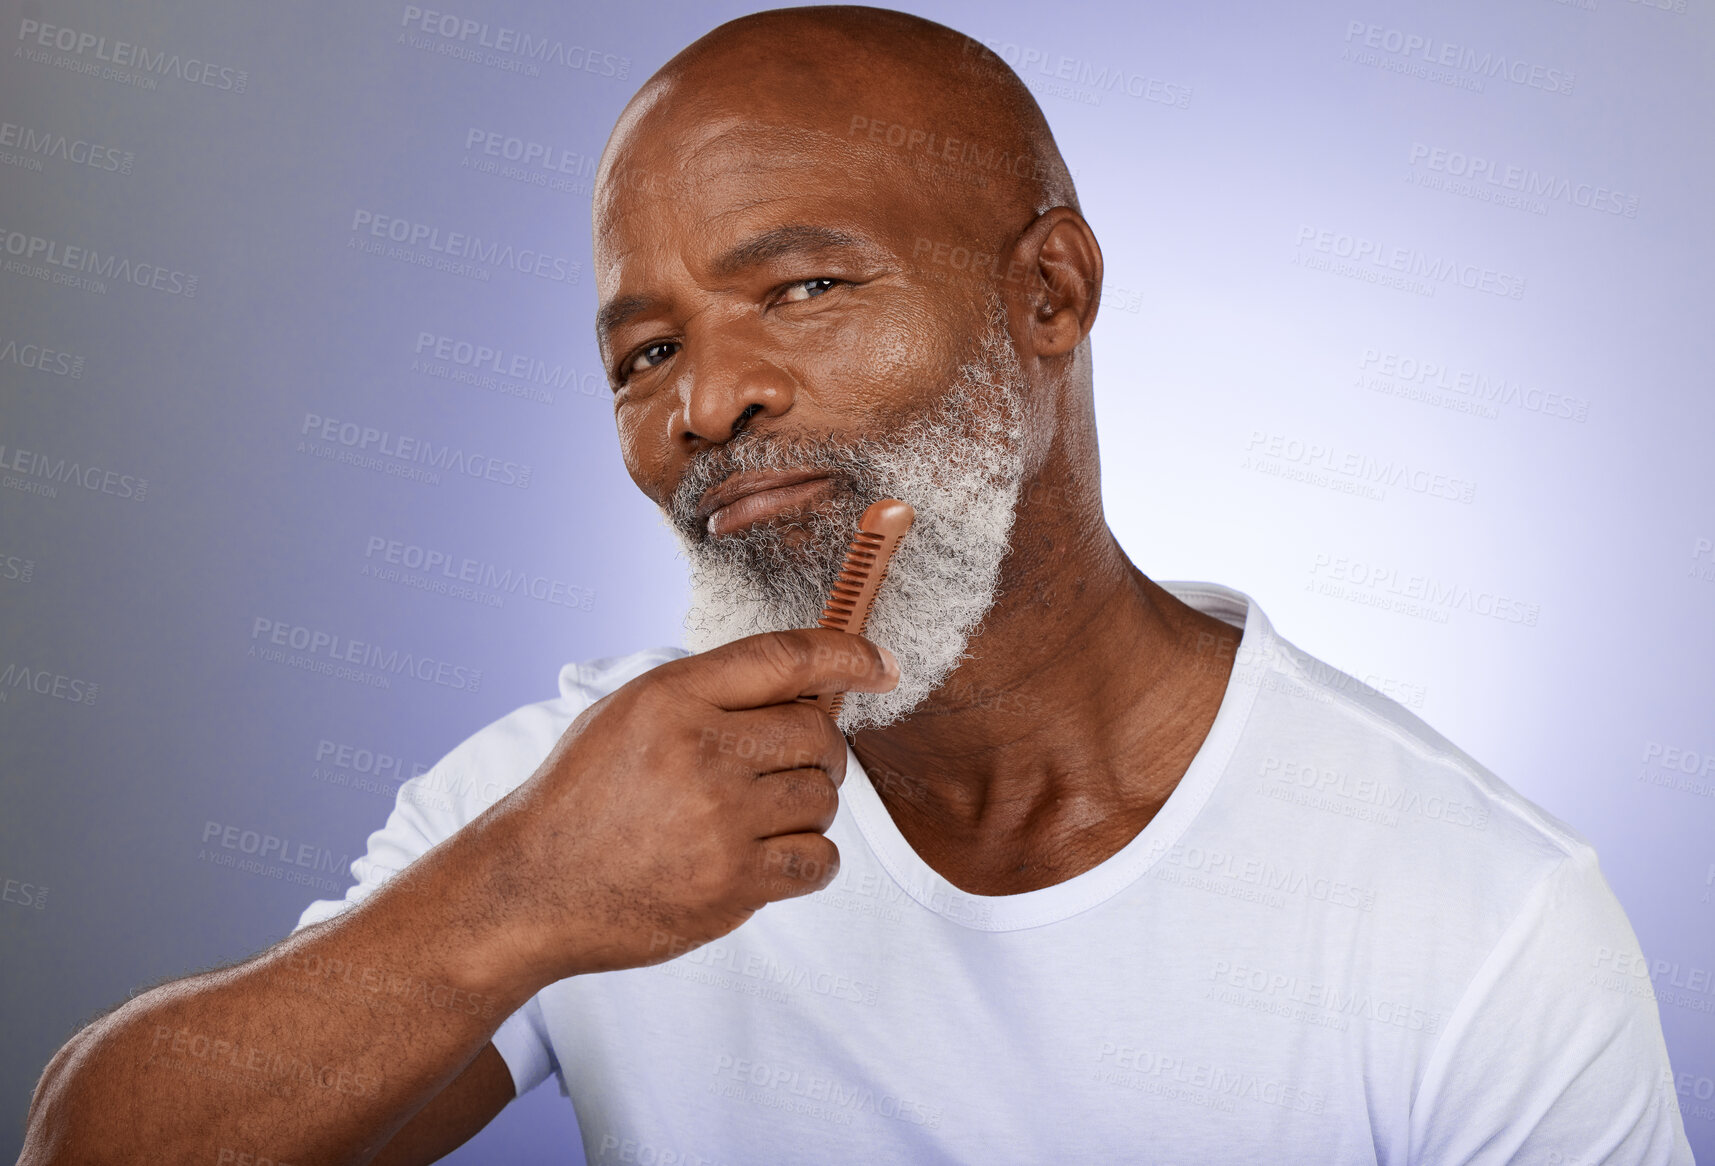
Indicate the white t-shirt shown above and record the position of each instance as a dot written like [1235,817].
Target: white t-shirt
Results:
[1341,940]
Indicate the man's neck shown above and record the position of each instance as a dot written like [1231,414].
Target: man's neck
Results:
[1079,708]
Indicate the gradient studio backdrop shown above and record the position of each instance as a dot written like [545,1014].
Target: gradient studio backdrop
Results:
[1406,333]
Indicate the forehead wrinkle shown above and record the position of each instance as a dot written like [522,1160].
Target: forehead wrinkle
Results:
[683,147]
[690,154]
[883,177]
[618,207]
[798,219]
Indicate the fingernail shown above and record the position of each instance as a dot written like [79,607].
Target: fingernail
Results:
[888,662]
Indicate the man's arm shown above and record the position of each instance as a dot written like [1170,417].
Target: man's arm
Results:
[278,1058]
[667,814]
[456,1114]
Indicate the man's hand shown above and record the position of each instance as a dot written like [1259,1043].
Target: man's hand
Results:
[677,806]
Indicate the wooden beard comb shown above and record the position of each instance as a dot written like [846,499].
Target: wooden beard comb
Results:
[878,535]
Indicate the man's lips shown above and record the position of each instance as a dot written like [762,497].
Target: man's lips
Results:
[747,498]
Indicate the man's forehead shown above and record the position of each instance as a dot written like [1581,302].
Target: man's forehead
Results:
[729,180]
[717,165]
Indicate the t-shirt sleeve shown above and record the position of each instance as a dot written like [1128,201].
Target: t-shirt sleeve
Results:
[1555,1053]
[415,824]
[435,805]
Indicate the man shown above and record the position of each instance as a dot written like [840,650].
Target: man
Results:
[1115,874]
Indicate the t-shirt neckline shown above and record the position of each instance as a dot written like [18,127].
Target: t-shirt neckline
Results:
[1133,860]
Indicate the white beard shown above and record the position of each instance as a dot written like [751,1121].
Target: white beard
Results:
[958,464]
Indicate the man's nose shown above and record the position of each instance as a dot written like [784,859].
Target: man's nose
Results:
[730,385]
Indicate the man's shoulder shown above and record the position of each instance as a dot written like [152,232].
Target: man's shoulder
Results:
[534,728]
[585,682]
[492,761]
[1356,762]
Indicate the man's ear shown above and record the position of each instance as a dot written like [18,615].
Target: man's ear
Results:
[1062,286]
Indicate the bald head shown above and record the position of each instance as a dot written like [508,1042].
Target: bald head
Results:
[906,99]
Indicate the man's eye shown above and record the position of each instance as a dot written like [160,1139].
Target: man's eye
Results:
[806,289]
[651,355]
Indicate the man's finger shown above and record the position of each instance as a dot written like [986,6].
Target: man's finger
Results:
[793,801]
[775,667]
[771,740]
[795,864]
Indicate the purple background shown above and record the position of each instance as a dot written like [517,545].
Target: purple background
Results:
[1538,582]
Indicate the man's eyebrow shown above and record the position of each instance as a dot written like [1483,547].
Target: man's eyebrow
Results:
[617,311]
[777,242]
[761,248]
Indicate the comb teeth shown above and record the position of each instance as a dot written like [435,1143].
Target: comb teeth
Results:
[861,575]
[843,601]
